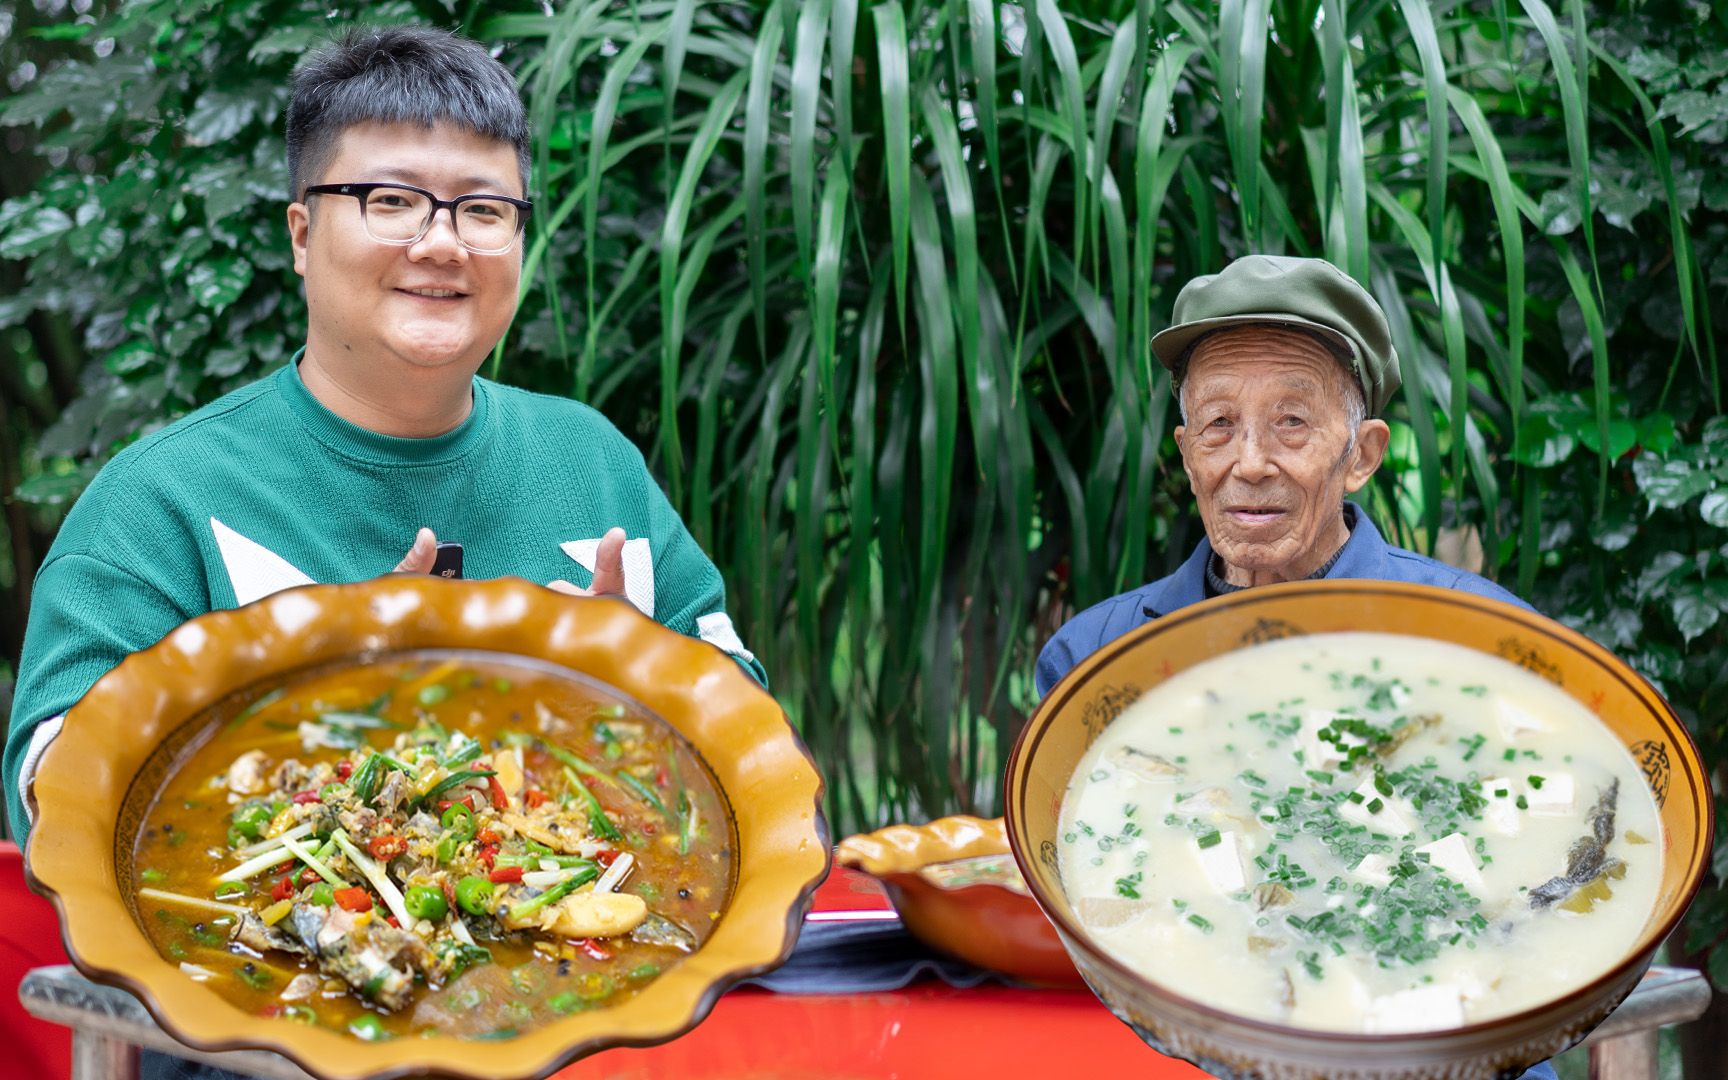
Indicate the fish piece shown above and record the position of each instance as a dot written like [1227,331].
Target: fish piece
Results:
[246,774]
[396,790]
[251,931]
[1587,859]
[659,930]
[376,959]
[1145,765]
[1109,912]
[1270,894]
[306,921]
[301,987]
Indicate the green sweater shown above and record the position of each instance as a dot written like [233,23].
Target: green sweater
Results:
[265,489]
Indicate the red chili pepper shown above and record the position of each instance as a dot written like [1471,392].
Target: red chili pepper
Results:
[604,857]
[353,899]
[486,836]
[500,801]
[344,769]
[660,776]
[386,847]
[534,797]
[505,875]
[391,919]
[449,891]
[487,853]
[307,797]
[649,828]
[308,876]
[284,888]
[592,948]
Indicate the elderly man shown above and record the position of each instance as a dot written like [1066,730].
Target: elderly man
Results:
[1281,368]
[408,160]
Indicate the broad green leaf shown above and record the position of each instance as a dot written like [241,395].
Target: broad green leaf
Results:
[30,228]
[216,283]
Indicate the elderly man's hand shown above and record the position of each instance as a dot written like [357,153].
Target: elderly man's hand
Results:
[421,556]
[608,569]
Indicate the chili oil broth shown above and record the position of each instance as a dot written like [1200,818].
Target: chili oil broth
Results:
[184,844]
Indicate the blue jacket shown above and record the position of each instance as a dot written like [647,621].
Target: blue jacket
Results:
[1366,555]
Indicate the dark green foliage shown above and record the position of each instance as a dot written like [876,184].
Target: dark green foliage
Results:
[873,288]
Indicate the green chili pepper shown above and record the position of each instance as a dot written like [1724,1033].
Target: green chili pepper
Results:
[230,889]
[446,849]
[249,820]
[322,895]
[425,902]
[459,820]
[368,1027]
[474,895]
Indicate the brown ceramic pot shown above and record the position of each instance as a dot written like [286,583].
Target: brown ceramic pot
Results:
[957,889]
[93,787]
[1229,1045]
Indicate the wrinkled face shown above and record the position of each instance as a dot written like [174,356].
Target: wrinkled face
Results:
[375,308]
[1267,447]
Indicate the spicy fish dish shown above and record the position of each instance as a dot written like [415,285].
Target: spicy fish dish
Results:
[1363,833]
[439,844]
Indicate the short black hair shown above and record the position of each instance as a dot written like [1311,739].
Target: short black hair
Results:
[394,75]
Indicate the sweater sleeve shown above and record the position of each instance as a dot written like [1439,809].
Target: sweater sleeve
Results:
[689,594]
[86,615]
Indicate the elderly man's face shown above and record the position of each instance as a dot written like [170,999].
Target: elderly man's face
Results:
[1268,451]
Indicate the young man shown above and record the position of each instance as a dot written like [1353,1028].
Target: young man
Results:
[408,158]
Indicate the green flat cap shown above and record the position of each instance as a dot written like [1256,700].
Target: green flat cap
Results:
[1310,294]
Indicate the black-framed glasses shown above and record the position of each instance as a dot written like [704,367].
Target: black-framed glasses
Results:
[402,214]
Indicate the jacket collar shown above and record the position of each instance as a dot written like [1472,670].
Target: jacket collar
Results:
[1363,556]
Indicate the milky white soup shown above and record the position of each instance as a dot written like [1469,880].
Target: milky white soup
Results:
[1361,832]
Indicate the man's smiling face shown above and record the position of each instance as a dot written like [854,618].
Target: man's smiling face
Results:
[416,308]
[1268,450]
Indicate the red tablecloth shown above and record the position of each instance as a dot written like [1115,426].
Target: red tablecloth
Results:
[929,1029]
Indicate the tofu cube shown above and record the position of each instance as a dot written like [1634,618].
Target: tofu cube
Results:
[1502,814]
[1451,854]
[1426,1008]
[1394,818]
[1516,720]
[1557,795]
[1222,864]
[1373,869]
[1318,754]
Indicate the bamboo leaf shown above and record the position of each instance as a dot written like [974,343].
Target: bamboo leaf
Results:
[1501,189]
[757,104]
[1581,292]
[842,35]
[939,420]
[1073,110]
[825,280]
[981,22]
[1574,111]
[714,121]
[1421,25]
[605,111]
[1148,193]
[892,69]
[806,89]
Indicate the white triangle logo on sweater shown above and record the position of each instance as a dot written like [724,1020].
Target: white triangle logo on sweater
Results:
[253,569]
[638,568]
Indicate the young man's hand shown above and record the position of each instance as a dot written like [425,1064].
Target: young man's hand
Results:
[608,569]
[421,556]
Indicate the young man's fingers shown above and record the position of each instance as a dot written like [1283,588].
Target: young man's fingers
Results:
[609,565]
[421,556]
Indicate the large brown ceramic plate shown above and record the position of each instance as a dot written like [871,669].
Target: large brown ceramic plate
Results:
[1226,1044]
[91,797]
[957,889]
